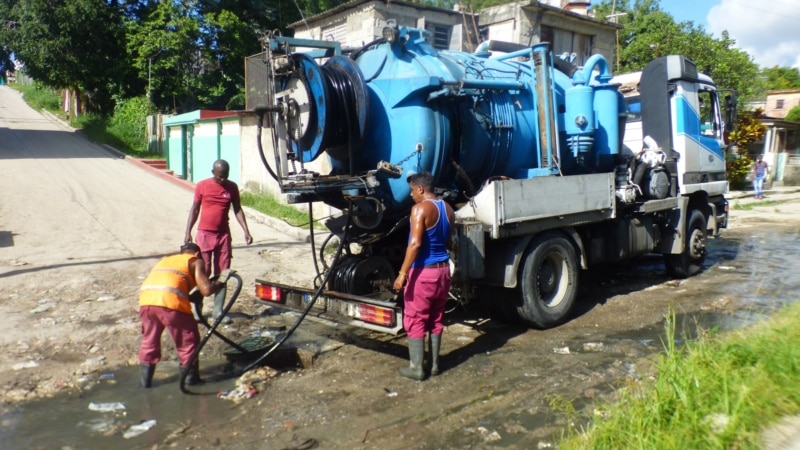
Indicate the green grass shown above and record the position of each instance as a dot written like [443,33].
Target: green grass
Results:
[749,206]
[717,392]
[39,97]
[272,207]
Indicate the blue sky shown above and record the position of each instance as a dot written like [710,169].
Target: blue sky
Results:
[768,30]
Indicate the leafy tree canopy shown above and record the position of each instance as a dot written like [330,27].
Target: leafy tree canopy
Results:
[649,32]
[794,114]
[781,77]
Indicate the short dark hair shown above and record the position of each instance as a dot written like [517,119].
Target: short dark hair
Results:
[190,247]
[424,179]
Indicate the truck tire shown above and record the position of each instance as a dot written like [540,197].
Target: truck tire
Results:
[690,260]
[548,281]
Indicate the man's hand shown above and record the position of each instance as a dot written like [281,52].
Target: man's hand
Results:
[399,282]
[248,239]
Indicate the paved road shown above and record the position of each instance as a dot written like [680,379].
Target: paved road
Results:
[70,202]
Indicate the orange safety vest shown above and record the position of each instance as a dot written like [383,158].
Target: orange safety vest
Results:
[169,283]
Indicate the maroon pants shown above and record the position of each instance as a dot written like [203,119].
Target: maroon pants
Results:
[182,327]
[215,249]
[425,298]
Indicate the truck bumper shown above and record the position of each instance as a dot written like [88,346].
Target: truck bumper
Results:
[359,311]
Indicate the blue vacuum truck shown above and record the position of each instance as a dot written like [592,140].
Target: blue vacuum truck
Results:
[529,150]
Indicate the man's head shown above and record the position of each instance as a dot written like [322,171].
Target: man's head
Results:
[760,157]
[220,170]
[190,247]
[420,183]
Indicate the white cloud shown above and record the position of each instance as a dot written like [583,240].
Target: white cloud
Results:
[768,30]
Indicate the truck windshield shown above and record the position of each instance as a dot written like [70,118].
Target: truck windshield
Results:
[633,107]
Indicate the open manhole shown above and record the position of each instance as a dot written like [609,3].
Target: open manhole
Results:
[255,346]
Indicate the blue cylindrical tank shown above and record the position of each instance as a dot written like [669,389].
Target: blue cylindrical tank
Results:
[462,117]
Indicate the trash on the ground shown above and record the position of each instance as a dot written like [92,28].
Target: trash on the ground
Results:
[593,346]
[106,407]
[493,437]
[139,428]
[726,268]
[561,350]
[41,308]
[242,392]
[97,361]
[25,365]
[390,393]
[104,426]
[105,298]
[106,376]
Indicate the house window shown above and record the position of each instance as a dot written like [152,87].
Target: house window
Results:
[439,36]
[779,103]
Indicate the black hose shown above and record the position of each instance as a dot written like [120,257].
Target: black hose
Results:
[212,329]
[261,147]
[364,48]
[310,303]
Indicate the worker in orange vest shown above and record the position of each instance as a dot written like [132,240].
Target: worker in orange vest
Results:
[165,302]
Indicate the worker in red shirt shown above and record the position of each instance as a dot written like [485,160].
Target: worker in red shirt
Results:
[213,198]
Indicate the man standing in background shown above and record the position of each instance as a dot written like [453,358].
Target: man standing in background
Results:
[213,198]
[760,172]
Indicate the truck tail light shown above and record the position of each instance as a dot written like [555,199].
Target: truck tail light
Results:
[374,314]
[269,293]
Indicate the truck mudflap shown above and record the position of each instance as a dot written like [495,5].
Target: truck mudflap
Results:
[355,310]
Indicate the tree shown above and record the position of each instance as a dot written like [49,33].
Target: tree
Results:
[648,32]
[781,77]
[69,44]
[794,114]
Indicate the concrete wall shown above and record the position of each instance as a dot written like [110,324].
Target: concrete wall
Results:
[256,178]
[364,23]
[790,98]
[522,22]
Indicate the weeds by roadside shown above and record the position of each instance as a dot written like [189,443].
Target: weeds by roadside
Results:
[272,207]
[749,206]
[719,391]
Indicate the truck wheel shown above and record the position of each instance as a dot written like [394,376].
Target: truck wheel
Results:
[548,281]
[690,261]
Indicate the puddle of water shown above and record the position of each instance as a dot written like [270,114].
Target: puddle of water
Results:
[66,421]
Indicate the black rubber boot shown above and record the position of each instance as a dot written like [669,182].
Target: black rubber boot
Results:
[147,371]
[434,344]
[416,352]
[219,303]
[193,377]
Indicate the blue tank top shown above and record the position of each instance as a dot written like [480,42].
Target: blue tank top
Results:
[434,245]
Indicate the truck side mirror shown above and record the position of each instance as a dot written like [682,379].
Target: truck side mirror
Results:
[730,112]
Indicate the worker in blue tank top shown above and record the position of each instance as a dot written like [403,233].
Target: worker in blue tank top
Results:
[425,274]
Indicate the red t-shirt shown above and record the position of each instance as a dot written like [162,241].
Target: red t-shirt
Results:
[215,201]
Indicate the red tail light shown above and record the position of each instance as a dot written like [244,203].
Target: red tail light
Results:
[374,314]
[269,293]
